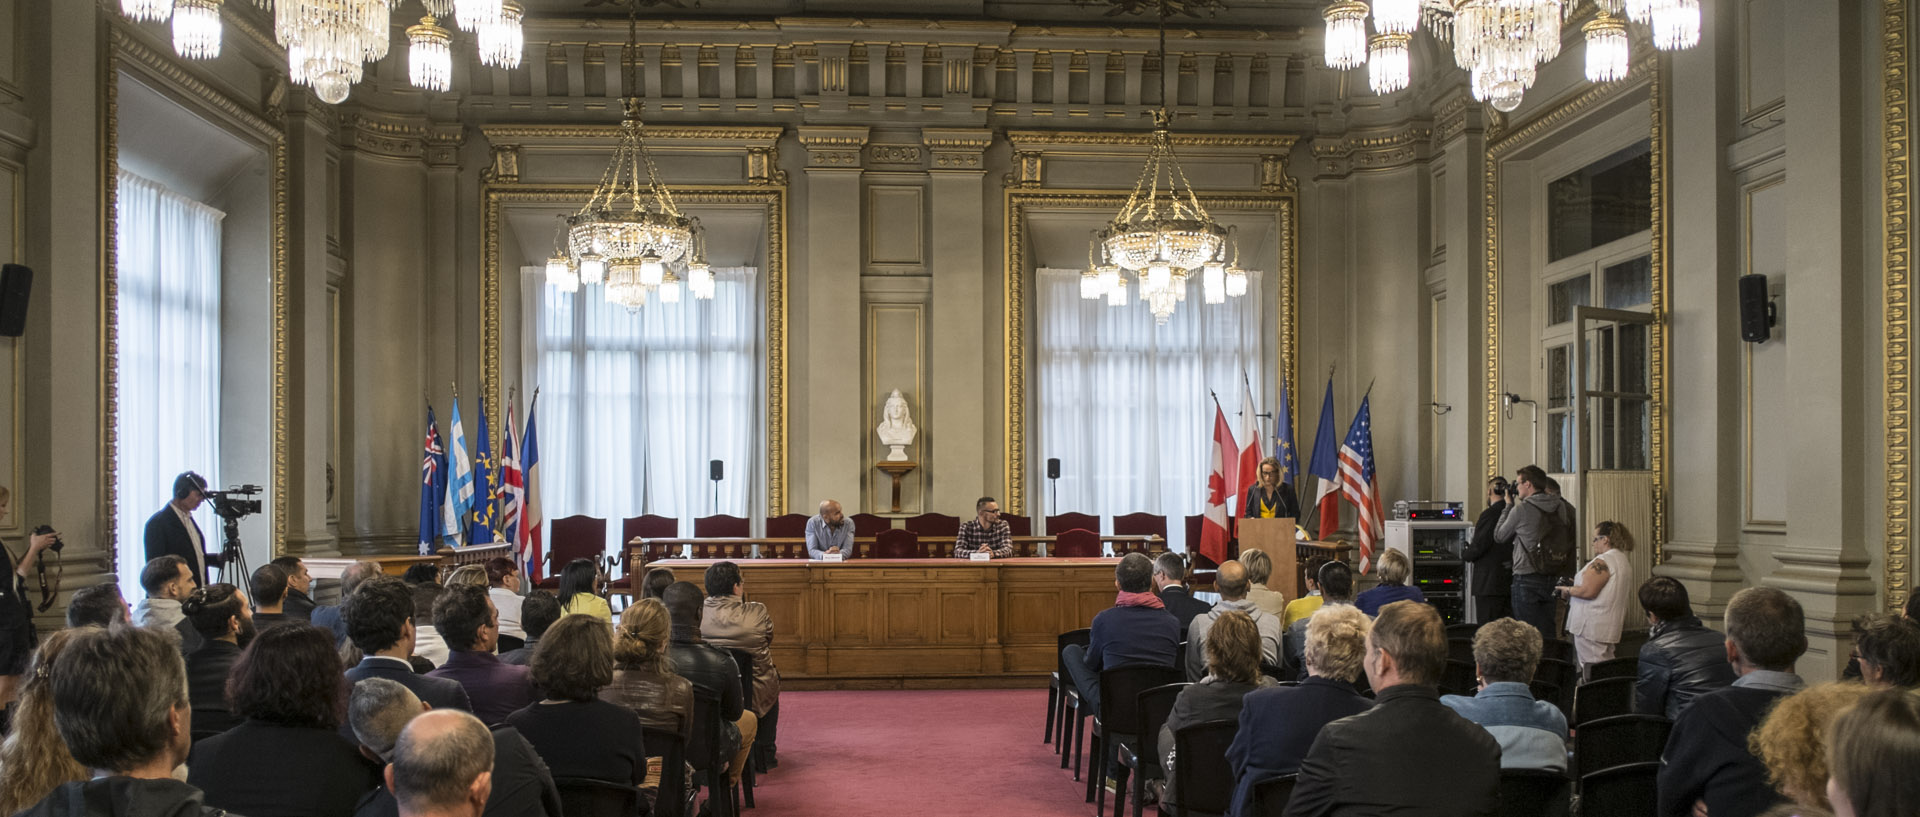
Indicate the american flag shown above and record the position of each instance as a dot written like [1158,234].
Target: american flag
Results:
[1357,482]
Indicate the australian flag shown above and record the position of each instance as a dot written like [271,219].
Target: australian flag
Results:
[433,486]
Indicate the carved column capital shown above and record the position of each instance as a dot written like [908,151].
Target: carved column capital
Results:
[833,147]
[505,166]
[957,148]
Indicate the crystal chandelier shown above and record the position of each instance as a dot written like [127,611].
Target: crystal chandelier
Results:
[196,29]
[147,10]
[429,56]
[500,38]
[1500,43]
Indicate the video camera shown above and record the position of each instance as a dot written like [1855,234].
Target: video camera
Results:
[235,502]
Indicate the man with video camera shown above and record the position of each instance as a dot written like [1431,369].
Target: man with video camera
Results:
[172,531]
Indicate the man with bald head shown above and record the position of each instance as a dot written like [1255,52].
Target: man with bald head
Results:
[442,766]
[830,532]
[380,710]
[1233,582]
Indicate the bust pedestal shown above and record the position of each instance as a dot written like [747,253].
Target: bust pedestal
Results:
[896,470]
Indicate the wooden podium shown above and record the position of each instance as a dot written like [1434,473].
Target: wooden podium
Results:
[1274,537]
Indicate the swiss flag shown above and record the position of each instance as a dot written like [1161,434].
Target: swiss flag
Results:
[1213,528]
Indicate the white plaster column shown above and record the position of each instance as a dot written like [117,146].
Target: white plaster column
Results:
[957,404]
[825,457]
[310,126]
[1459,216]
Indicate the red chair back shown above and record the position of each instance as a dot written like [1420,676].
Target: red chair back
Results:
[1140,524]
[1078,543]
[1070,521]
[720,526]
[1194,559]
[934,524]
[648,526]
[570,538]
[897,543]
[1018,525]
[790,526]
[866,524]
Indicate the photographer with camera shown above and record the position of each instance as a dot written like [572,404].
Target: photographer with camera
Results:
[17,636]
[172,531]
[1541,527]
[1491,557]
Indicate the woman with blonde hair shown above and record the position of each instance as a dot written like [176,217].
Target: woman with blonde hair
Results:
[1270,498]
[34,759]
[1792,741]
[1233,670]
[1597,604]
[644,681]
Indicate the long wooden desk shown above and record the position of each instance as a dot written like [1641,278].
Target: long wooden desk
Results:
[929,623]
[794,547]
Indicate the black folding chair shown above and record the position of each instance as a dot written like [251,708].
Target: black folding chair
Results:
[744,660]
[670,800]
[1119,704]
[1136,762]
[1622,791]
[1270,796]
[1460,648]
[1558,650]
[1535,793]
[590,797]
[1462,630]
[1057,688]
[1459,678]
[1202,780]
[708,754]
[1622,740]
[1628,667]
[1563,676]
[1595,700]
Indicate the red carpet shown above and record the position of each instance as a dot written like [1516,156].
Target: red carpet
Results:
[934,752]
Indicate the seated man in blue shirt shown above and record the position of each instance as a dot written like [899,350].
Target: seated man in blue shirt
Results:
[830,532]
[1135,632]
[1532,734]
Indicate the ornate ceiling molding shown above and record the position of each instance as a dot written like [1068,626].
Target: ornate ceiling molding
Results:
[835,147]
[1339,157]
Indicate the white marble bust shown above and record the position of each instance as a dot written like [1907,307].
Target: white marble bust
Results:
[896,427]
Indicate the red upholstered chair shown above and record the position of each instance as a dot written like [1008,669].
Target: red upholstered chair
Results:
[1018,525]
[1078,543]
[1069,521]
[934,524]
[790,526]
[1139,524]
[645,526]
[897,544]
[720,526]
[574,537]
[867,524]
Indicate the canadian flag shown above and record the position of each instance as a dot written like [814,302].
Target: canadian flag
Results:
[1249,471]
[1213,526]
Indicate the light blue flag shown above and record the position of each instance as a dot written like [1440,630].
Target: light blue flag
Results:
[459,481]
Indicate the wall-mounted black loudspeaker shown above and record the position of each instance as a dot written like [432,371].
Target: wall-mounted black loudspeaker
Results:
[1756,312]
[16,282]
[1053,468]
[716,470]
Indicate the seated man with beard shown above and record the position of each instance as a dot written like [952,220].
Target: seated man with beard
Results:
[220,614]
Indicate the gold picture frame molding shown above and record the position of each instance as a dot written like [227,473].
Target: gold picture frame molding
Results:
[1897,293]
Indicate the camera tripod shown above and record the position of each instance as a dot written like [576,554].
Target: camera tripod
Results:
[233,559]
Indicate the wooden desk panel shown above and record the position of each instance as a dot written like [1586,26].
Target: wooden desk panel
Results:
[874,623]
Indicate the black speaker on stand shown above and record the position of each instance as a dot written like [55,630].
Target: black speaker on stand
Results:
[716,471]
[1053,473]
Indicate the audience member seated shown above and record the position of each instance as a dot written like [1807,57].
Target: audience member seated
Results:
[1277,726]
[643,679]
[329,616]
[730,622]
[578,734]
[442,766]
[33,756]
[219,612]
[1792,741]
[100,605]
[1707,759]
[467,621]
[298,604]
[1134,632]
[120,705]
[422,573]
[1871,754]
[1408,754]
[1169,583]
[286,758]
[656,582]
[427,642]
[503,586]
[379,709]
[1299,609]
[1259,569]
[167,580]
[1889,650]
[1682,658]
[1394,570]
[1231,581]
[1233,670]
[380,623]
[711,671]
[538,612]
[579,591]
[1336,590]
[268,590]
[1532,734]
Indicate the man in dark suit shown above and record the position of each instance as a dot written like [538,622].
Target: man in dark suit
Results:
[172,531]
[1169,581]
[1409,754]
[380,622]
[1492,560]
[522,783]
[712,672]
[466,618]
[298,604]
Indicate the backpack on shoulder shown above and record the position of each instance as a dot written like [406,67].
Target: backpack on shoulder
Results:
[1554,554]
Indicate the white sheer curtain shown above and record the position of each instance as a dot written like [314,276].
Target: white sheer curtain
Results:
[1124,404]
[634,405]
[168,368]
